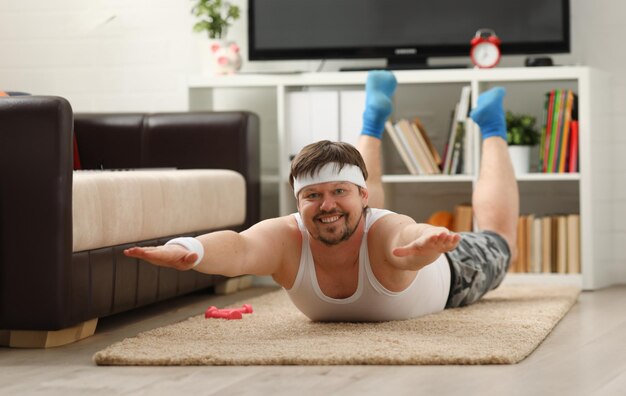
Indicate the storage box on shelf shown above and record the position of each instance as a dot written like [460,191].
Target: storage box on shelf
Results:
[431,95]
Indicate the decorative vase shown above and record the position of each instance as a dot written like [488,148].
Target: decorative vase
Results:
[520,157]
[224,57]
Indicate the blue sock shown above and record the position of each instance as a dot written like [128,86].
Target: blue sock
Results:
[379,89]
[489,113]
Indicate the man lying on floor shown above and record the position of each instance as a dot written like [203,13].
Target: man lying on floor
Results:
[340,260]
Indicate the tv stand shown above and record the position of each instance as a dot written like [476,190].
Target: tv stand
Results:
[414,67]
[407,64]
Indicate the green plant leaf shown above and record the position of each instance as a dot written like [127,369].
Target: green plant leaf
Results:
[216,17]
[521,129]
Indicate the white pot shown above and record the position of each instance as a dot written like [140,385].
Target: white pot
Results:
[520,157]
[223,57]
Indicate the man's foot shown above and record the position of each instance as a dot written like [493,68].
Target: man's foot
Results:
[379,90]
[382,81]
[489,113]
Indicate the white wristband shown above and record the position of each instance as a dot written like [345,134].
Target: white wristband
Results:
[191,244]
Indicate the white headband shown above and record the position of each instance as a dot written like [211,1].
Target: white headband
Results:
[330,173]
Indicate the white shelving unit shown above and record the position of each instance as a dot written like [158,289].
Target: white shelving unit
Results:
[431,94]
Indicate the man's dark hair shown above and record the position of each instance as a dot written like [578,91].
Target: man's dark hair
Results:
[315,155]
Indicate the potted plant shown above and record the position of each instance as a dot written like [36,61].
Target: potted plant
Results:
[215,17]
[521,136]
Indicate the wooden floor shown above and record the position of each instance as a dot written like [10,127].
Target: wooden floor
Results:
[584,355]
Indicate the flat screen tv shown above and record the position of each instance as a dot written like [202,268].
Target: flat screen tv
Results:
[405,32]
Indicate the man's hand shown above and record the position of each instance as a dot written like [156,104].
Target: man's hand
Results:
[172,256]
[434,240]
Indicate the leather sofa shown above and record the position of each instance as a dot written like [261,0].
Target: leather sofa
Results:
[52,292]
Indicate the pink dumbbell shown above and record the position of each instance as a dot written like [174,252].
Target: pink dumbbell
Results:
[228,313]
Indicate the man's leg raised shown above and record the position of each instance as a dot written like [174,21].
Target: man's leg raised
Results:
[379,90]
[496,196]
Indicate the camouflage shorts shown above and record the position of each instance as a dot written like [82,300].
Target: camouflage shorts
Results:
[477,265]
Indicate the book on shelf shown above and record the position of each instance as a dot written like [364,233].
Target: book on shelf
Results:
[556,130]
[573,149]
[311,116]
[417,148]
[561,245]
[528,247]
[546,116]
[471,131]
[573,243]
[566,133]
[559,132]
[519,264]
[351,107]
[463,218]
[525,236]
[548,244]
[403,148]
[324,115]
[455,152]
[405,131]
[554,241]
[429,143]
[297,121]
[447,150]
[425,150]
[536,246]
[459,147]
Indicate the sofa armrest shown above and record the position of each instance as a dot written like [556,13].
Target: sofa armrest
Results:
[35,209]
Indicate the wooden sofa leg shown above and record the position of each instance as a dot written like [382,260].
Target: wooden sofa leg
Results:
[47,339]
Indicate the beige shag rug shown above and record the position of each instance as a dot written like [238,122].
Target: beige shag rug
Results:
[503,328]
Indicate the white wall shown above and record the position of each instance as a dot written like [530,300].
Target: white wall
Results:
[135,55]
[102,55]
[603,34]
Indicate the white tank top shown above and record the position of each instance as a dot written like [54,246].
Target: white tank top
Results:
[371,301]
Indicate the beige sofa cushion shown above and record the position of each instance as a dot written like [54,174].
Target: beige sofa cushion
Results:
[116,207]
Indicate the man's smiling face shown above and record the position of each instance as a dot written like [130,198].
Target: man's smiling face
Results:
[332,211]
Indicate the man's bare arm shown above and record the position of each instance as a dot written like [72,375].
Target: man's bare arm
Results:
[257,251]
[411,246]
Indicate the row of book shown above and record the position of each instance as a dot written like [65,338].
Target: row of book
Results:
[545,244]
[558,149]
[559,135]
[548,244]
[422,158]
[414,146]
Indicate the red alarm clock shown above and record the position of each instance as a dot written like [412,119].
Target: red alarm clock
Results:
[485,49]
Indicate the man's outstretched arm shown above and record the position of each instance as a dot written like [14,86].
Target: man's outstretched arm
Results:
[412,246]
[256,251]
